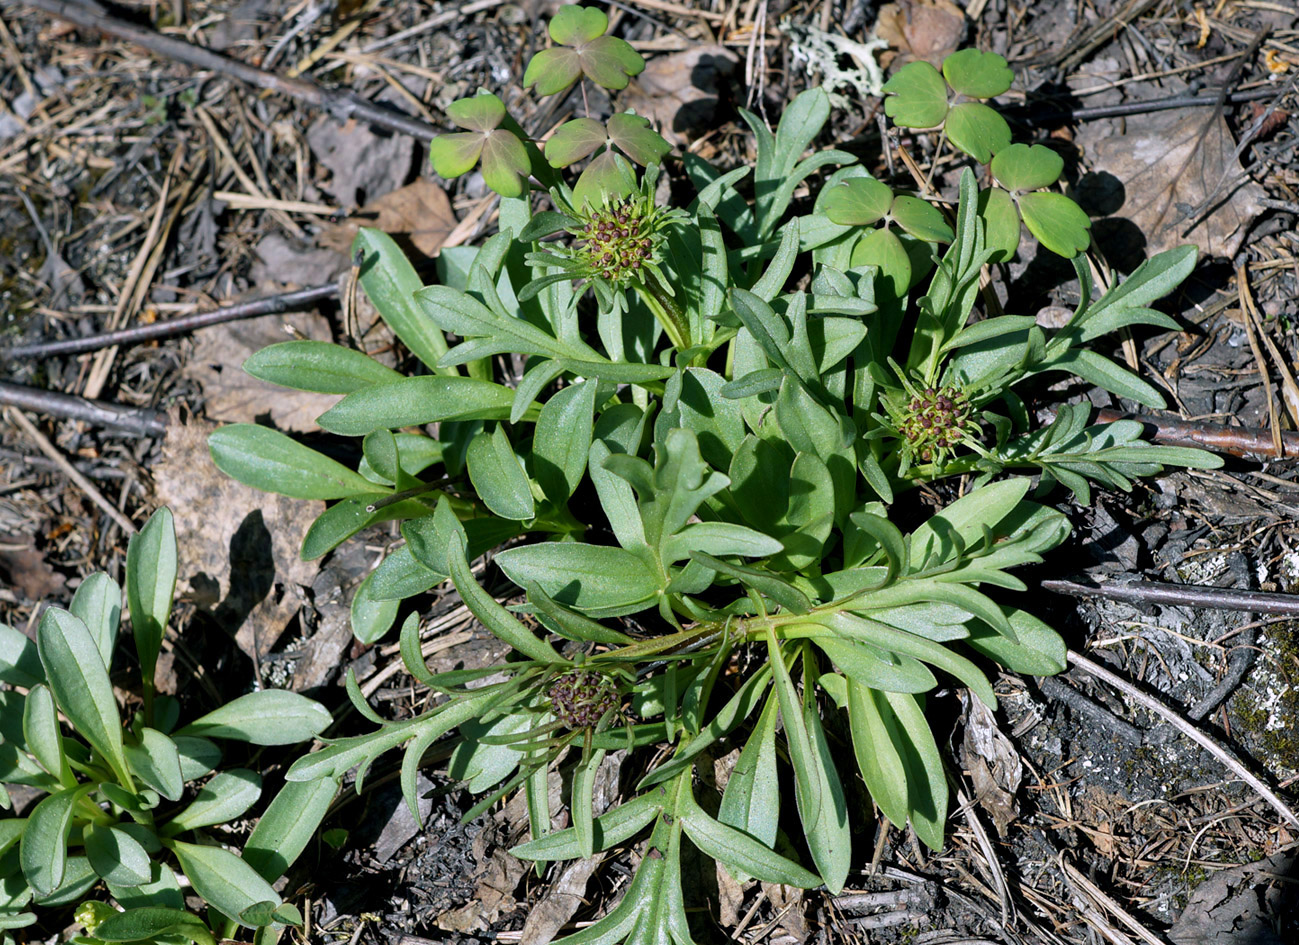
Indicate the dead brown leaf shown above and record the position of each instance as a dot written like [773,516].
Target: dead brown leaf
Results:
[679,92]
[418,215]
[1183,182]
[920,29]
[1238,904]
[787,903]
[238,547]
[364,162]
[563,898]
[24,569]
[494,893]
[233,396]
[994,765]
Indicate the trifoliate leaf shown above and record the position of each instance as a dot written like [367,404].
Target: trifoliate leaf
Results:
[636,139]
[1058,223]
[860,201]
[573,141]
[921,219]
[883,249]
[608,177]
[505,159]
[583,49]
[1002,222]
[917,96]
[1027,167]
[977,130]
[977,74]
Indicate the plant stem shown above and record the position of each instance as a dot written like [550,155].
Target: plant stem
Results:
[666,311]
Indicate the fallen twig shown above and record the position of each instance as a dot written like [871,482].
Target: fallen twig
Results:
[127,419]
[1038,114]
[340,103]
[82,483]
[1181,595]
[1187,729]
[1235,441]
[270,305]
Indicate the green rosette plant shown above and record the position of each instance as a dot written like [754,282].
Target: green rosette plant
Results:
[129,800]
[690,474]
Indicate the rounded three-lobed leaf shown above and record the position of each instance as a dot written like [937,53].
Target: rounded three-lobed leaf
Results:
[506,164]
[583,50]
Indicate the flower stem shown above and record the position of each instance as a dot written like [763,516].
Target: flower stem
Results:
[666,311]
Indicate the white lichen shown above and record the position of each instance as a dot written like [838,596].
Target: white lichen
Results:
[822,52]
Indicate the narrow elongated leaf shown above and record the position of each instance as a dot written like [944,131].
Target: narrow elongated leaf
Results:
[98,603]
[162,891]
[268,717]
[751,801]
[269,460]
[1101,371]
[966,519]
[117,856]
[878,756]
[80,684]
[150,585]
[719,538]
[287,826]
[372,615]
[821,805]
[390,282]
[156,762]
[225,797]
[149,923]
[562,440]
[1040,651]
[318,366]
[598,580]
[43,850]
[41,730]
[740,852]
[926,783]
[582,799]
[498,476]
[415,401]
[617,826]
[223,879]
[495,617]
[878,669]
[20,664]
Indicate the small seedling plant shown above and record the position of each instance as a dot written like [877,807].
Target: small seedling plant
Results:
[133,795]
[691,435]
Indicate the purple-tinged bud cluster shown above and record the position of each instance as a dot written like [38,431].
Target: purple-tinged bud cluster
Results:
[618,240]
[581,698]
[935,420]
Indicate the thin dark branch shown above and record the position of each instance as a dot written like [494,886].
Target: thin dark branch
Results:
[1235,441]
[126,419]
[1041,113]
[342,104]
[270,305]
[1182,595]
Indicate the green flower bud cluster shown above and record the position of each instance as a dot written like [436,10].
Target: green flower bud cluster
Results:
[581,698]
[935,420]
[619,239]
